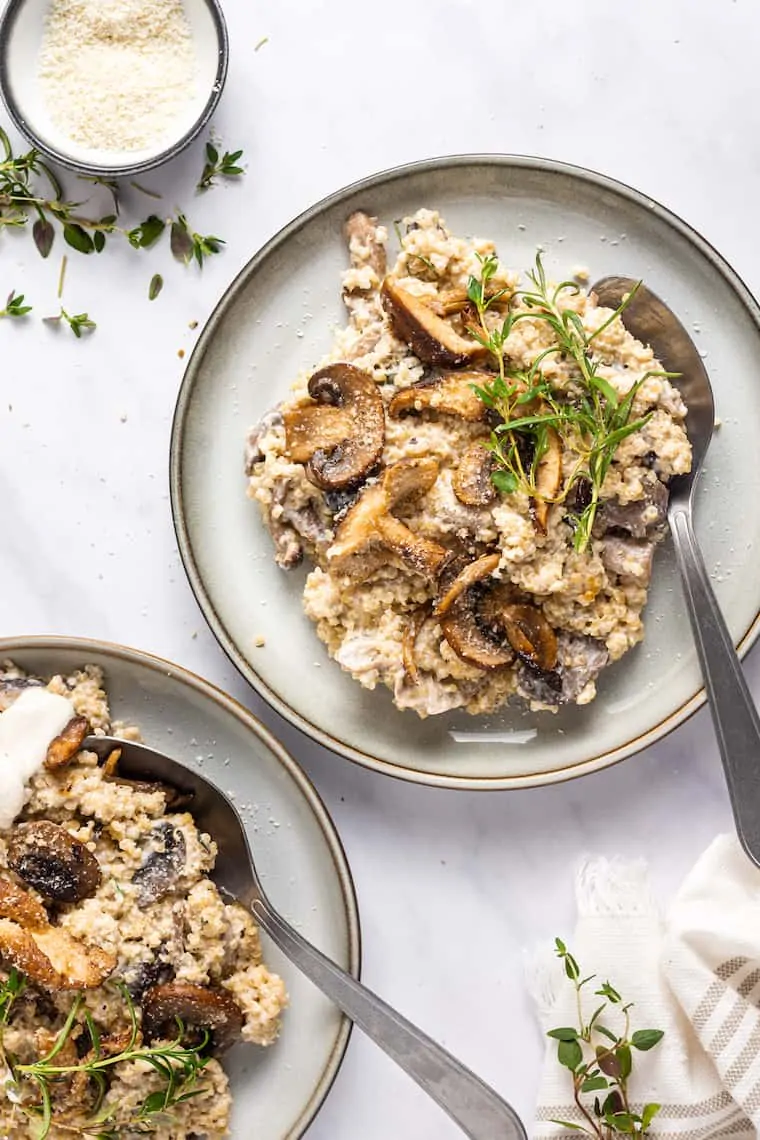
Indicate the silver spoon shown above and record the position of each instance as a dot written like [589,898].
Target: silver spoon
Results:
[476,1108]
[735,717]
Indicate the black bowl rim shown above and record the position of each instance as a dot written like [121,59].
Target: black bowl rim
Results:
[8,18]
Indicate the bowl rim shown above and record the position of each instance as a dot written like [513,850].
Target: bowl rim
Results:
[176,462]
[8,17]
[84,645]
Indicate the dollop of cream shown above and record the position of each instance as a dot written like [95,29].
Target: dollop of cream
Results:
[34,719]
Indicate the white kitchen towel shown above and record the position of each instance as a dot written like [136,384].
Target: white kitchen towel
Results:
[693,972]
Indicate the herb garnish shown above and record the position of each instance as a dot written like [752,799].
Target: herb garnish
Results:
[227,166]
[602,1067]
[78,323]
[15,307]
[155,287]
[590,417]
[34,1085]
[186,244]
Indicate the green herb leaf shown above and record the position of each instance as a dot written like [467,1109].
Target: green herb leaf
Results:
[648,1114]
[99,241]
[147,233]
[625,1061]
[564,1033]
[645,1039]
[15,307]
[43,233]
[592,1084]
[504,481]
[181,240]
[568,1124]
[78,238]
[569,1054]
[156,285]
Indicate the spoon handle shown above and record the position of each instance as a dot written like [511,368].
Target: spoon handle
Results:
[735,717]
[476,1108]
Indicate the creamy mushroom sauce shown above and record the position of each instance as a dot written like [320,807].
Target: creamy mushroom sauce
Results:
[149,918]
[377,579]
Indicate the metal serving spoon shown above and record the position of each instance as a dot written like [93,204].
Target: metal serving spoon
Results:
[476,1108]
[735,717]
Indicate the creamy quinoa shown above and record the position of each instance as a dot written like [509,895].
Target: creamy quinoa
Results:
[433,574]
[144,926]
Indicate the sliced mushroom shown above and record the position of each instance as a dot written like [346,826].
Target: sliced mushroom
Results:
[364,244]
[52,959]
[639,518]
[341,435]
[18,905]
[528,632]
[162,866]
[369,532]
[253,453]
[144,975]
[472,479]
[548,479]
[52,861]
[473,572]
[580,660]
[449,392]
[214,1010]
[628,557]
[429,336]
[64,748]
[411,633]
[451,301]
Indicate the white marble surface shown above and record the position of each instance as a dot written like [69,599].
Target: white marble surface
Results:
[453,887]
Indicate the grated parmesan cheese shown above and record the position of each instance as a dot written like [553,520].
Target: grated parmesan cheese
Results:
[116,74]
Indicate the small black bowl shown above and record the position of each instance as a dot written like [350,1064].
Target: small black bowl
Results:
[21,31]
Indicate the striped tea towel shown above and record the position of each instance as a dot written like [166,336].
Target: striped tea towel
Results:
[694,973]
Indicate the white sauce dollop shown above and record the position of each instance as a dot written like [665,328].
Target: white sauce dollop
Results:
[34,719]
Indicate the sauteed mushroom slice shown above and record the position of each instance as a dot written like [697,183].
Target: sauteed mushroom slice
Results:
[548,479]
[52,959]
[472,479]
[18,905]
[463,589]
[527,630]
[162,866]
[203,1008]
[370,527]
[411,633]
[52,861]
[64,748]
[449,392]
[341,435]
[429,336]
[361,234]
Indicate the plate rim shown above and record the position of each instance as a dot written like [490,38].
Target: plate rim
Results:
[176,461]
[151,661]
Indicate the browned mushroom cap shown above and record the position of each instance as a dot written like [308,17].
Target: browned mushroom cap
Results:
[449,392]
[457,300]
[214,1010]
[473,572]
[18,905]
[64,748]
[52,861]
[341,435]
[527,630]
[370,527]
[472,479]
[52,959]
[548,479]
[429,336]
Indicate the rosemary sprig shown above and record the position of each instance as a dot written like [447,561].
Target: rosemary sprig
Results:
[589,416]
[34,1084]
[14,306]
[226,166]
[601,1061]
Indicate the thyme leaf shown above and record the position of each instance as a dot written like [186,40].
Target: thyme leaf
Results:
[226,166]
[15,307]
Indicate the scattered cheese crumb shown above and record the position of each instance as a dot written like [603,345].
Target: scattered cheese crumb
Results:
[180,353]
[193,325]
[259,642]
[117,74]
[581,273]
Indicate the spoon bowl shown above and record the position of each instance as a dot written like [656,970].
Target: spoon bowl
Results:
[736,721]
[478,1110]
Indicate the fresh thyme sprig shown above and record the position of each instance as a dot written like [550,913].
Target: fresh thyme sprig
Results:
[226,166]
[601,1061]
[34,1085]
[30,192]
[14,306]
[590,417]
[78,323]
